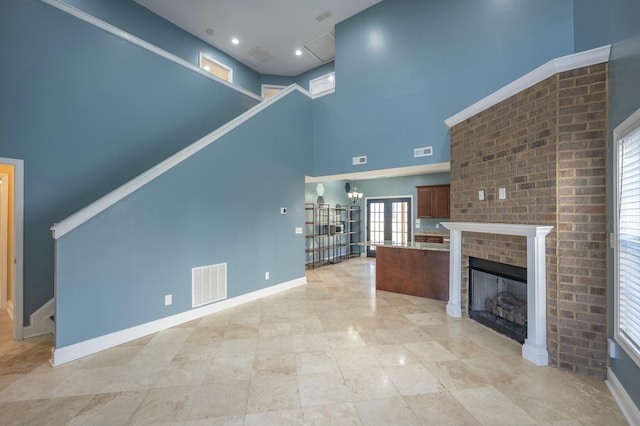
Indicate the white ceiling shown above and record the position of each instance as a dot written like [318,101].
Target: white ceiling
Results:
[269,31]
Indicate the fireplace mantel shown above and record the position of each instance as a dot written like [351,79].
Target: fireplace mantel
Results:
[535,345]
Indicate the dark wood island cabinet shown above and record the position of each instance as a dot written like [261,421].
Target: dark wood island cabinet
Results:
[413,271]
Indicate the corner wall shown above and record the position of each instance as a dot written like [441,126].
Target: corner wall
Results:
[547,146]
[221,205]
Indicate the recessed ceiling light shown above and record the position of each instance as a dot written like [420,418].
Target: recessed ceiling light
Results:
[298,52]
[235,40]
[209,31]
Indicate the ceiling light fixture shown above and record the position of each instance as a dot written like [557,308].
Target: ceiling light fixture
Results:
[209,31]
[298,52]
[235,40]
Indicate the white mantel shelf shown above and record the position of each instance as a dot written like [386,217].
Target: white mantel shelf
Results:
[535,345]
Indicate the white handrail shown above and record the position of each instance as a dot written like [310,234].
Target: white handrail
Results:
[76,219]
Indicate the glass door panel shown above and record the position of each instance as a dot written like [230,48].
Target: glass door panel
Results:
[388,220]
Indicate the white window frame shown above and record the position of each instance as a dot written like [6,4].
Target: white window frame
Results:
[220,64]
[316,81]
[270,86]
[629,127]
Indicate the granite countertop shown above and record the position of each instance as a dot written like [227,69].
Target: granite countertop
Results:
[416,246]
[434,232]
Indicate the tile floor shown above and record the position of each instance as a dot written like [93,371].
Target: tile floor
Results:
[332,352]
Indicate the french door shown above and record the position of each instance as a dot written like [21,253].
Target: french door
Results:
[388,220]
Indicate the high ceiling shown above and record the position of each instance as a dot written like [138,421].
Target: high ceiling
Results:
[268,31]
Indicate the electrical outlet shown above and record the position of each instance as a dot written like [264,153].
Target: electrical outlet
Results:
[298,229]
[266,275]
[437,226]
[168,299]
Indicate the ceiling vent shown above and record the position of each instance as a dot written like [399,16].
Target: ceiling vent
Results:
[260,54]
[324,15]
[323,48]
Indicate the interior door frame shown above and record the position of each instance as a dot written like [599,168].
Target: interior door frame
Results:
[384,198]
[18,244]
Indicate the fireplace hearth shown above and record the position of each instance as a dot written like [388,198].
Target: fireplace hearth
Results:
[498,297]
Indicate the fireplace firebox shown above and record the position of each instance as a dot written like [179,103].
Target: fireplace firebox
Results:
[498,297]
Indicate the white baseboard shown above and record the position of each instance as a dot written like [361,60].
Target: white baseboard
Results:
[40,321]
[10,309]
[91,346]
[626,404]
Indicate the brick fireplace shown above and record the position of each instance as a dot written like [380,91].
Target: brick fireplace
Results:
[547,146]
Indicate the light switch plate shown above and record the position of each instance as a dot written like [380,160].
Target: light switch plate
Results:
[168,299]
[481,195]
[417,223]
[502,193]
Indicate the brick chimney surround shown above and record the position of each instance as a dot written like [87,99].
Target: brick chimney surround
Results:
[543,138]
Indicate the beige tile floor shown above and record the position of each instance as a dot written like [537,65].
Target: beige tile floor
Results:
[333,352]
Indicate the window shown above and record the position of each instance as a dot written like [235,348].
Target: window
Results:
[269,90]
[627,236]
[322,84]
[216,68]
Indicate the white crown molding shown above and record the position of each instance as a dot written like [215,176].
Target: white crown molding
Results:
[40,321]
[625,403]
[554,66]
[81,216]
[144,44]
[91,346]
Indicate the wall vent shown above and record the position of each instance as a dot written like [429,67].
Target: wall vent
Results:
[360,160]
[208,284]
[324,15]
[423,152]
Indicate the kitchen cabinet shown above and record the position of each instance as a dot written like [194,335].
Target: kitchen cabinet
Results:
[433,201]
[423,273]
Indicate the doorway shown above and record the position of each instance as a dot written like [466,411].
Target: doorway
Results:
[388,219]
[11,240]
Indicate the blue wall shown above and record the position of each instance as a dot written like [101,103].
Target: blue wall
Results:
[615,22]
[84,123]
[221,205]
[403,67]
[141,22]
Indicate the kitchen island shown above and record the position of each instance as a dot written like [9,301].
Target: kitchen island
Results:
[417,269]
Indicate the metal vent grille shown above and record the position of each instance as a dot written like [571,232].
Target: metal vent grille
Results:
[359,160]
[208,284]
[423,152]
[324,15]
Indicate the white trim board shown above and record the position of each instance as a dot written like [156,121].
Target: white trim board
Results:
[144,44]
[622,398]
[91,346]
[40,321]
[76,219]
[554,66]
[18,245]
[385,173]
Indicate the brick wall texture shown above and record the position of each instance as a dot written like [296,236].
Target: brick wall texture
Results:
[548,147]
